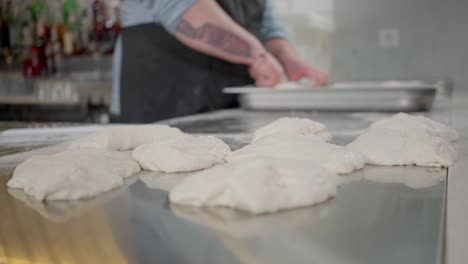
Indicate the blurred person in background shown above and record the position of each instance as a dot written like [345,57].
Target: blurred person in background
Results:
[175,56]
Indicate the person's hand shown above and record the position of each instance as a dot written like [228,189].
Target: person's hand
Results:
[297,69]
[266,71]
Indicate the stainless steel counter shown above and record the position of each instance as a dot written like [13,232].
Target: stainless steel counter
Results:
[381,214]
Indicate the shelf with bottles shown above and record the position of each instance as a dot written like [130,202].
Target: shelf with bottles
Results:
[36,35]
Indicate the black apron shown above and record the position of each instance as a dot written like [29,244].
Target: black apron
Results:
[161,78]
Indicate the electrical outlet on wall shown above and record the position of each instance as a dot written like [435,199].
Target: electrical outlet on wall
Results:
[389,38]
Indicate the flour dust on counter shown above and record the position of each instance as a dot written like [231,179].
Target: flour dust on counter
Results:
[125,137]
[296,146]
[257,186]
[301,126]
[181,154]
[407,140]
[73,174]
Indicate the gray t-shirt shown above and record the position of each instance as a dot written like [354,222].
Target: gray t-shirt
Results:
[168,13]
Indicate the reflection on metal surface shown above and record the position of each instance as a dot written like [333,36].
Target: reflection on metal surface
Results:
[369,222]
[62,211]
[235,228]
[244,225]
[412,176]
[27,237]
[160,180]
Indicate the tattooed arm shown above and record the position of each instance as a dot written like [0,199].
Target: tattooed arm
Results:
[206,28]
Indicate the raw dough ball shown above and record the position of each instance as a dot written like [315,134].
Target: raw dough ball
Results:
[73,174]
[295,146]
[407,140]
[257,186]
[301,126]
[125,137]
[182,154]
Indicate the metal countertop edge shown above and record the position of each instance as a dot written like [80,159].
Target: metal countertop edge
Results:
[456,232]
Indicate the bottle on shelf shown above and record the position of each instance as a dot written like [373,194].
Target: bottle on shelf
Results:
[70,21]
[26,41]
[5,44]
[113,26]
[36,8]
[68,43]
[15,15]
[27,63]
[50,59]
[99,19]
[35,62]
[39,32]
[40,45]
[55,48]
[84,32]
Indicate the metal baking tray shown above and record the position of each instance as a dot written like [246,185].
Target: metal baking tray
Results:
[359,96]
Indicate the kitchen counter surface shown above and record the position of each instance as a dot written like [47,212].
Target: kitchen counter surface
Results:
[456,246]
[381,214]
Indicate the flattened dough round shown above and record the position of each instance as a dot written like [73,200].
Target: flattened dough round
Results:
[301,126]
[407,140]
[182,154]
[73,174]
[125,137]
[257,186]
[337,159]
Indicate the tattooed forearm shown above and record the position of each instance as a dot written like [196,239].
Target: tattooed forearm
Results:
[217,37]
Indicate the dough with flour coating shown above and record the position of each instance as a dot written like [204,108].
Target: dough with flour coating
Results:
[125,137]
[301,126]
[407,140]
[181,154]
[73,174]
[337,159]
[257,186]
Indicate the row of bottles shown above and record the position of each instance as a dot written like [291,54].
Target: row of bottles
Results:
[39,33]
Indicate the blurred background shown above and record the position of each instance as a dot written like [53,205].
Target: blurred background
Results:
[56,55]
[56,59]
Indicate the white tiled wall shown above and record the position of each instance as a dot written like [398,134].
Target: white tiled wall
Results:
[310,23]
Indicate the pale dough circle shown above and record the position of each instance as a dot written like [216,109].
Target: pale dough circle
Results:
[407,140]
[296,146]
[181,154]
[73,174]
[125,137]
[257,186]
